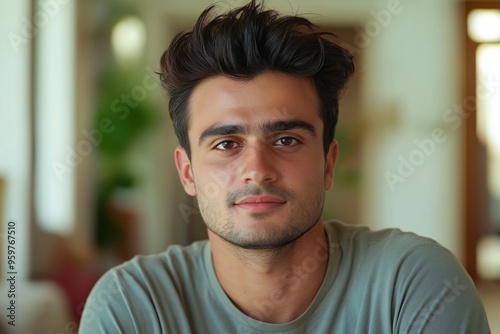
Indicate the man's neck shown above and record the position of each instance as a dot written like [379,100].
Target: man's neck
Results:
[274,286]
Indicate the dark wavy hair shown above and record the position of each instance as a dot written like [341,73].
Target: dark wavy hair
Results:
[246,42]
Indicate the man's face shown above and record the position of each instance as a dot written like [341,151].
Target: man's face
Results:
[257,162]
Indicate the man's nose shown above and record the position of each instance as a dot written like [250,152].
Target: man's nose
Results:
[258,165]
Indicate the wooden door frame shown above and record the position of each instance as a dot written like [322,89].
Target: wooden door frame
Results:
[474,212]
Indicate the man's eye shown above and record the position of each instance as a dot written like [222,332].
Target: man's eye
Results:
[286,141]
[226,145]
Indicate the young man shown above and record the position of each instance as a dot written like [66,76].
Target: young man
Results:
[254,102]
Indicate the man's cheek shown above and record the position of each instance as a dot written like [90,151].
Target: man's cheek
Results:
[221,177]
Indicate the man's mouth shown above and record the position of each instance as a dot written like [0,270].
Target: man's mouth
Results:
[259,203]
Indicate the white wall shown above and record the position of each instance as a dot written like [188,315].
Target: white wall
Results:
[15,126]
[414,77]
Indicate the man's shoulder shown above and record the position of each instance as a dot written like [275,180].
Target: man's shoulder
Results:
[133,292]
[392,245]
[175,259]
[389,237]
[191,252]
[173,267]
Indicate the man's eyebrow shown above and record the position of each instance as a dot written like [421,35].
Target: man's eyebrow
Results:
[279,126]
[270,127]
[222,130]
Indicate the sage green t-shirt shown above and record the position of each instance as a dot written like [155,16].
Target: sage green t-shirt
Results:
[376,282]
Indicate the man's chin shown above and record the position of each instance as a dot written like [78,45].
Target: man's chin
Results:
[262,241]
[261,244]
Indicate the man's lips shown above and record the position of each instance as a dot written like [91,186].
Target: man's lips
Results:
[259,203]
[260,199]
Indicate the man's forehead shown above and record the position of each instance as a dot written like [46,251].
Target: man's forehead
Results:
[252,104]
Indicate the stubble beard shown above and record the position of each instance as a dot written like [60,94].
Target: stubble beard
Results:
[265,238]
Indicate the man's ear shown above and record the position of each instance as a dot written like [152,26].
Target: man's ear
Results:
[331,161]
[183,165]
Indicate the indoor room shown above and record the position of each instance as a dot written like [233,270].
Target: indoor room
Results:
[88,178]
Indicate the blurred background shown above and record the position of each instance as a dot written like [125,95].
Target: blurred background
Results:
[86,145]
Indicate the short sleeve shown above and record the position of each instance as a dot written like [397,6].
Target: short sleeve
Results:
[118,304]
[434,294]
